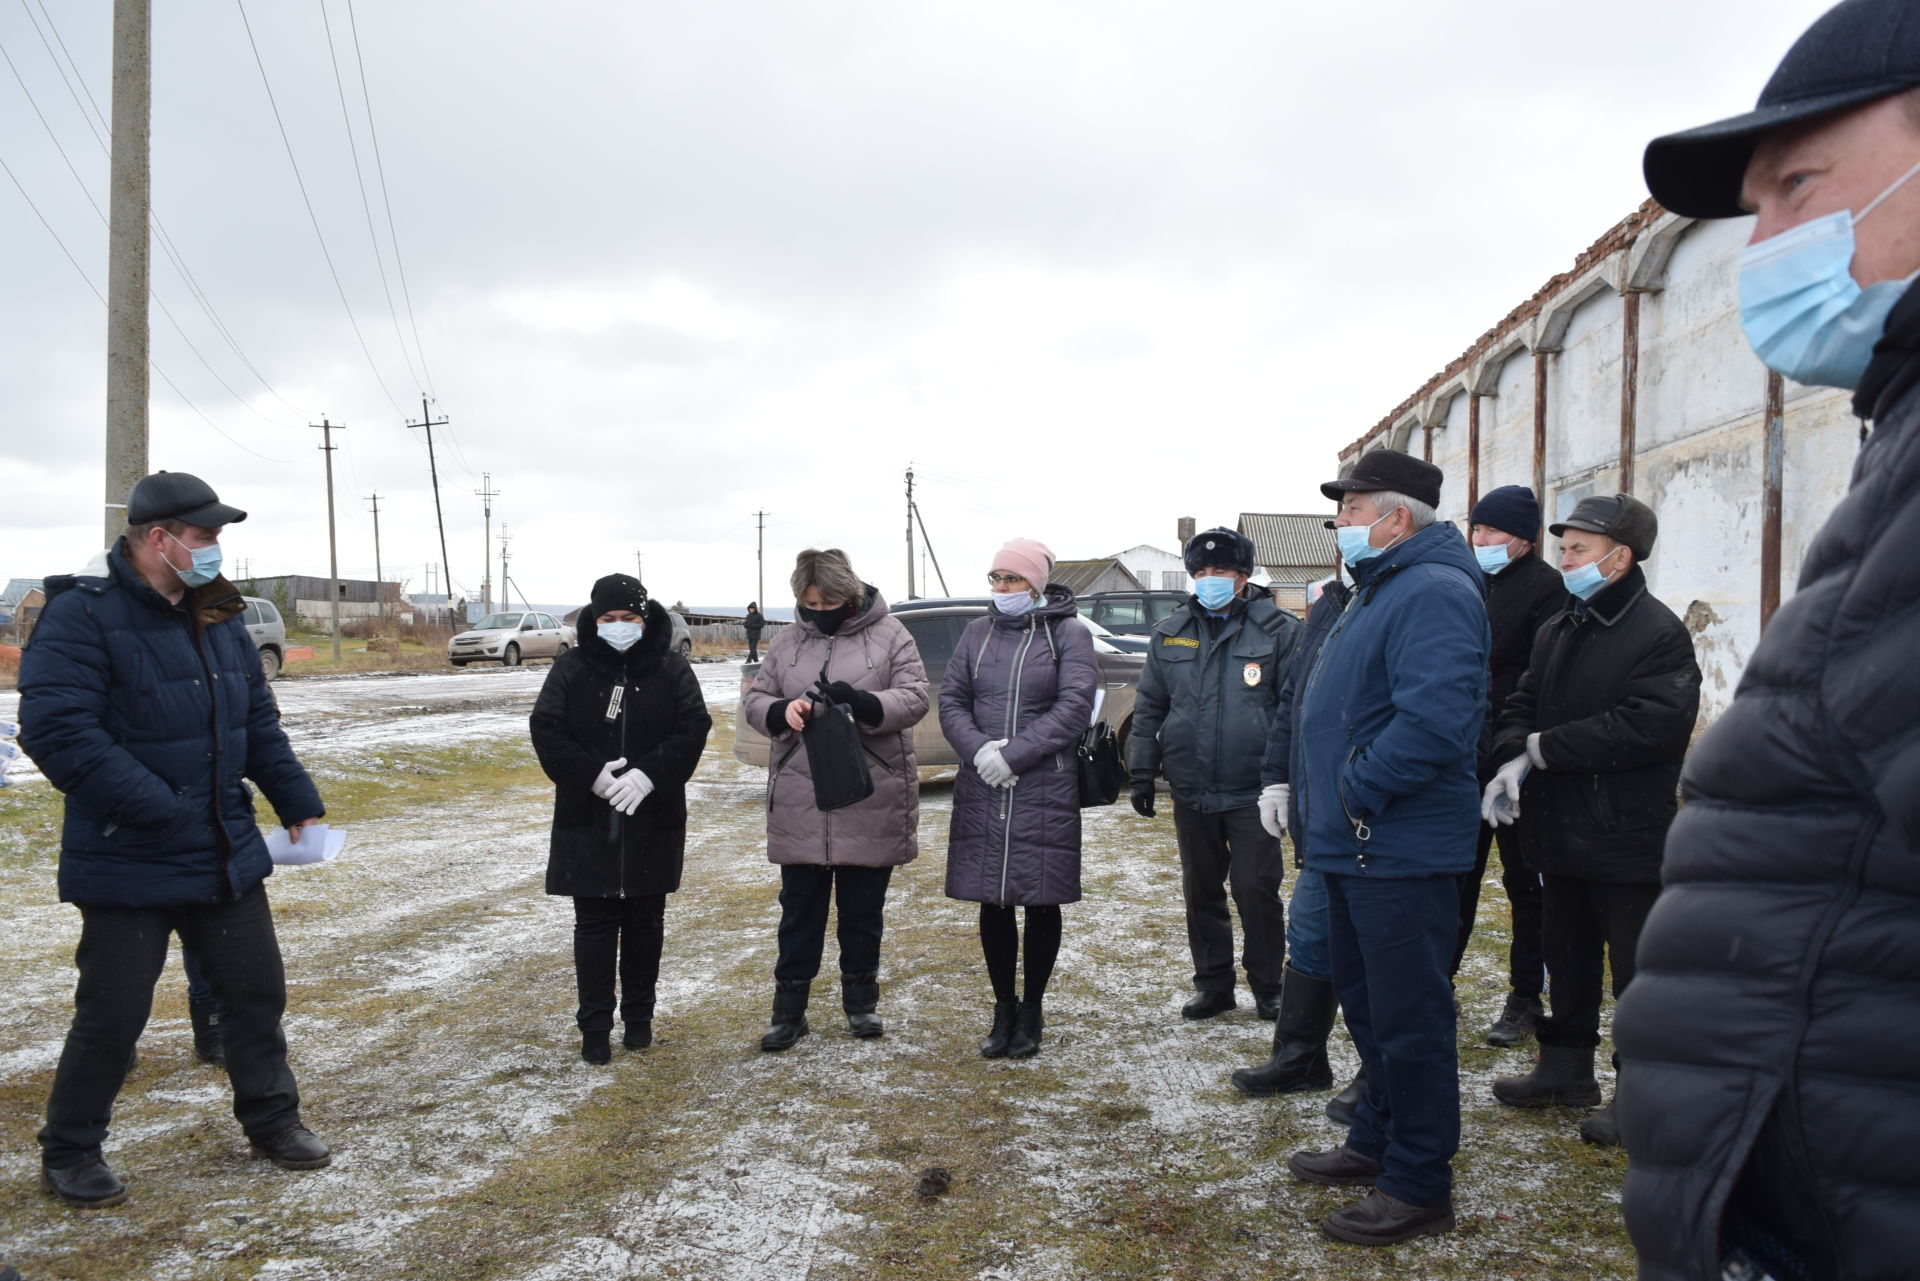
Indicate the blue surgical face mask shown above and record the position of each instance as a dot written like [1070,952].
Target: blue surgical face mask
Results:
[1213,591]
[1586,580]
[622,636]
[1492,559]
[1803,312]
[1013,604]
[1354,547]
[206,564]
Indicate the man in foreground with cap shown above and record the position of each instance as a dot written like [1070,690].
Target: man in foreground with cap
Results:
[1770,1043]
[1383,752]
[1210,689]
[142,699]
[1523,592]
[1590,748]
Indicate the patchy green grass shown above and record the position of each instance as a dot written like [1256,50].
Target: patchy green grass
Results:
[430,1020]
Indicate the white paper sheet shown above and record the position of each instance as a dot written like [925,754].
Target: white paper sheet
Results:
[1099,701]
[318,844]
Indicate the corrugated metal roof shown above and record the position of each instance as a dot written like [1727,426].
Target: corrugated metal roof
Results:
[17,589]
[1078,576]
[1289,541]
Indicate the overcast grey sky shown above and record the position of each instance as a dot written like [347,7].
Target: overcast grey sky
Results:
[1088,266]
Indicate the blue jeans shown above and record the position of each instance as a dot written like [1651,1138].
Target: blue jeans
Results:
[1307,926]
[1392,940]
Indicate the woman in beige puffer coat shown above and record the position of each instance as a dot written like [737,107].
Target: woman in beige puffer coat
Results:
[847,644]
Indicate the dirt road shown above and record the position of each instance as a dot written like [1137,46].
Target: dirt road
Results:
[430,1025]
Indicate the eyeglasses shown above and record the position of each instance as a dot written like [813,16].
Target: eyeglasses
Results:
[998,579]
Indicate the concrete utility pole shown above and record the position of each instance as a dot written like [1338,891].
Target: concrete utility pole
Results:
[505,599]
[487,493]
[909,531]
[433,469]
[760,565]
[327,447]
[129,205]
[378,591]
[640,566]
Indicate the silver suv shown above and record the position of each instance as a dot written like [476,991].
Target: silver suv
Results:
[511,638]
[269,632]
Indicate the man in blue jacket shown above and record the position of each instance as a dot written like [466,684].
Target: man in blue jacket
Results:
[142,699]
[1209,692]
[1384,749]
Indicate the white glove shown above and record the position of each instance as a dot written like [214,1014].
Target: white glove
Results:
[1500,804]
[1273,808]
[1533,751]
[603,784]
[992,766]
[629,790]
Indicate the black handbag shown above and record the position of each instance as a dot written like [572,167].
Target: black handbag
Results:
[1102,772]
[836,757]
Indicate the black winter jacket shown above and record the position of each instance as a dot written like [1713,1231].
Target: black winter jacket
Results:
[1613,690]
[150,716]
[661,729]
[1207,699]
[1520,600]
[1773,1024]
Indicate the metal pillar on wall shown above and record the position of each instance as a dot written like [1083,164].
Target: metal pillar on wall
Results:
[1629,383]
[1473,449]
[1540,434]
[1771,484]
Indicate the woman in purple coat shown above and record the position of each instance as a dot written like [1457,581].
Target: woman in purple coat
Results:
[1017,695]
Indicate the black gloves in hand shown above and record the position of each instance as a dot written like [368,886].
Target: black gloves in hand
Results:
[866,707]
[1143,798]
[777,718]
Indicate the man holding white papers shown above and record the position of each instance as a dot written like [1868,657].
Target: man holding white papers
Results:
[142,699]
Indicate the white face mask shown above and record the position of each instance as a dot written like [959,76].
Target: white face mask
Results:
[621,636]
[1013,604]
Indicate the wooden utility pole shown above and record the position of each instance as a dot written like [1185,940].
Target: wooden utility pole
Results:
[327,447]
[433,469]
[487,493]
[129,205]
[379,591]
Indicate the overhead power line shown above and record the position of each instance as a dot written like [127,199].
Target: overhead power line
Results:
[313,217]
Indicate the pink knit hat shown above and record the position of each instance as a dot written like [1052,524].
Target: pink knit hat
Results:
[1027,558]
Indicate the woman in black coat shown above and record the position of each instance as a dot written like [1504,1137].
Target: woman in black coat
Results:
[619,727]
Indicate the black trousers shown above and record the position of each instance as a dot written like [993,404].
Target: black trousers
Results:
[1589,924]
[753,647]
[1228,848]
[806,891]
[1000,941]
[1526,964]
[632,930]
[121,952]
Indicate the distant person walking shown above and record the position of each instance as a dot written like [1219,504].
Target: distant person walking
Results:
[1017,696]
[756,623]
[619,727]
[845,649]
[142,699]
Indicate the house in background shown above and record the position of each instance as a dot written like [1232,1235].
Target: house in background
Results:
[1294,549]
[305,597]
[1157,569]
[20,604]
[1084,577]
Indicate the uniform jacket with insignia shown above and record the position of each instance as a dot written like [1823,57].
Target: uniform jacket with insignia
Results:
[1207,698]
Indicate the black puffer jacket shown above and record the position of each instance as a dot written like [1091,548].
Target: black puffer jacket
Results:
[1520,600]
[1613,690]
[661,729]
[1779,974]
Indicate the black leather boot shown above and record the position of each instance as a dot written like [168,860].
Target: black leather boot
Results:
[1299,1060]
[88,1183]
[293,1147]
[995,1046]
[1381,1220]
[1027,1022]
[1340,1107]
[208,1046]
[1516,1021]
[1562,1078]
[860,997]
[638,1034]
[596,1047]
[789,1014]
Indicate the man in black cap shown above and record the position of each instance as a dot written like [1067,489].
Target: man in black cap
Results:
[1208,695]
[142,699]
[1590,747]
[1770,1043]
[1383,753]
[1523,592]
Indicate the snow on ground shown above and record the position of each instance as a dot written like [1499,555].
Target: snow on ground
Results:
[430,1025]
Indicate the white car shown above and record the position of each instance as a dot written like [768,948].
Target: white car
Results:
[510,639]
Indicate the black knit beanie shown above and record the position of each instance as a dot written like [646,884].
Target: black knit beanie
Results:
[618,591]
